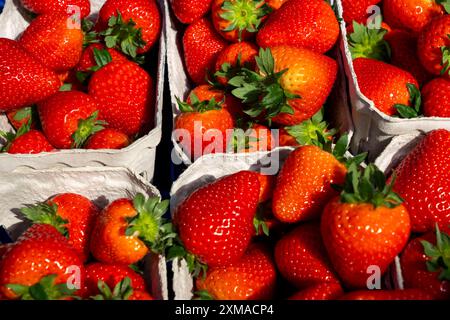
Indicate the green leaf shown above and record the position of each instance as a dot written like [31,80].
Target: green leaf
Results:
[23,113]
[101,57]
[202,295]
[445,59]
[406,112]
[66,87]
[445,4]
[47,214]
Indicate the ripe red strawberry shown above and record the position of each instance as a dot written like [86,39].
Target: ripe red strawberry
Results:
[423,181]
[215,222]
[124,95]
[252,277]
[424,265]
[20,117]
[51,41]
[436,98]
[286,139]
[111,275]
[188,11]
[356,10]
[71,214]
[408,294]
[320,291]
[126,230]
[41,251]
[89,59]
[58,6]
[201,45]
[232,58]
[292,85]
[387,86]
[309,24]
[238,20]
[203,127]
[302,259]
[29,142]
[267,185]
[275,4]
[304,183]
[68,118]
[23,81]
[433,46]
[206,92]
[361,229]
[133,38]
[403,46]
[108,139]
[411,15]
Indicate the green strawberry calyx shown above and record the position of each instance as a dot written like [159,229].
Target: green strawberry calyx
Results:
[445,4]
[260,222]
[229,71]
[199,106]
[244,15]
[445,58]
[46,213]
[195,266]
[242,137]
[415,99]
[89,35]
[9,137]
[262,91]
[123,290]
[86,128]
[149,225]
[439,254]
[45,289]
[101,57]
[123,36]
[369,43]
[308,132]
[368,186]
[203,295]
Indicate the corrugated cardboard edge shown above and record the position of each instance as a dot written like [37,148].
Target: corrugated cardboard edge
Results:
[373,128]
[139,156]
[180,84]
[79,180]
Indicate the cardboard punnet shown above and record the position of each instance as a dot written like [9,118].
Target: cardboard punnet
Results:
[374,129]
[101,185]
[139,156]
[180,85]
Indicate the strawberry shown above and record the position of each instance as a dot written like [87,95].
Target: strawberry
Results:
[309,24]
[26,141]
[433,46]
[291,86]
[304,184]
[132,26]
[424,264]
[232,58]
[320,291]
[111,275]
[403,46]
[255,138]
[206,124]
[356,10]
[71,214]
[411,15]
[51,41]
[391,89]
[436,98]
[227,101]
[123,290]
[188,11]
[423,181]
[201,45]
[408,294]
[90,60]
[215,223]
[108,139]
[275,4]
[252,277]
[23,80]
[58,6]
[238,20]
[20,117]
[127,105]
[366,226]
[267,185]
[286,139]
[126,230]
[301,257]
[68,118]
[40,252]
